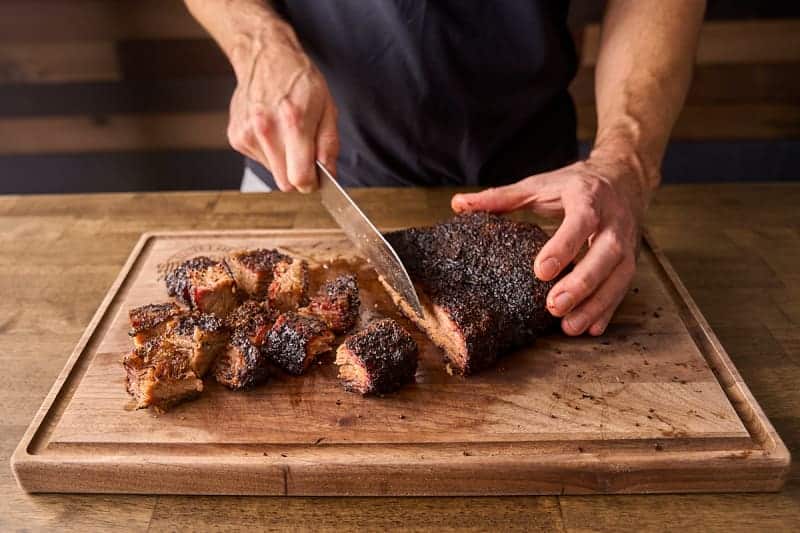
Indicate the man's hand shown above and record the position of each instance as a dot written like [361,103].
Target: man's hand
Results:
[282,114]
[602,201]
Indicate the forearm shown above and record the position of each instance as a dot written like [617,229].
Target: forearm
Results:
[643,72]
[242,28]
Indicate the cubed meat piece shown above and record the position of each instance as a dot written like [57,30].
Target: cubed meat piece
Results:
[295,340]
[289,287]
[253,319]
[337,303]
[159,374]
[150,321]
[378,359]
[242,365]
[253,270]
[204,285]
[203,336]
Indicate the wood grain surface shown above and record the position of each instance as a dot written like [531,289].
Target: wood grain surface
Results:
[736,247]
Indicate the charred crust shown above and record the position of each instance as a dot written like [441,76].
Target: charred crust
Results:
[478,267]
[252,319]
[258,260]
[388,354]
[337,303]
[178,281]
[203,321]
[243,365]
[151,315]
[291,339]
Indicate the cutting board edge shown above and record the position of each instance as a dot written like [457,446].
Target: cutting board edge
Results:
[769,472]
[457,476]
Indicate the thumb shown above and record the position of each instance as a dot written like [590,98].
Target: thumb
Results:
[494,200]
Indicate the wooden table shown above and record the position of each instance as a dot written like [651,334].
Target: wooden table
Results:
[737,248]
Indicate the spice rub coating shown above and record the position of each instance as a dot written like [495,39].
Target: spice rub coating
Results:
[295,340]
[378,359]
[475,273]
[203,284]
[336,303]
[160,374]
[151,320]
[253,319]
[203,335]
[253,270]
[242,365]
[177,281]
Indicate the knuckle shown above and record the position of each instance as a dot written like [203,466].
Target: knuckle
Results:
[260,125]
[291,114]
[589,215]
[615,247]
[582,283]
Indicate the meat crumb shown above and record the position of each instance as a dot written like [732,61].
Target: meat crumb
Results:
[448,369]
[402,417]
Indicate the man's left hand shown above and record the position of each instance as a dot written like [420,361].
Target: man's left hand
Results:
[602,200]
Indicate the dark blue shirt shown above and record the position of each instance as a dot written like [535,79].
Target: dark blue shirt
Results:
[443,92]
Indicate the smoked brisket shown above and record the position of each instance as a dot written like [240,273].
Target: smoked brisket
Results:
[474,275]
[336,303]
[378,359]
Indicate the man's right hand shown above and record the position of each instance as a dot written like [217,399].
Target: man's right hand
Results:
[282,114]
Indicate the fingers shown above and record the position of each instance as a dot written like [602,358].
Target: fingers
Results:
[495,200]
[328,139]
[591,271]
[579,224]
[300,147]
[595,313]
[268,140]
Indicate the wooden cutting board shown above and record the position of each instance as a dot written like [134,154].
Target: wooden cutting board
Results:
[655,405]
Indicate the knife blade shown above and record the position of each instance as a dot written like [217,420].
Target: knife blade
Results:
[366,238]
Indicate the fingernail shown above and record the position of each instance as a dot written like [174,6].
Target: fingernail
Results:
[577,323]
[549,268]
[563,302]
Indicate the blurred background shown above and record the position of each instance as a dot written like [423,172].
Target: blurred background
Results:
[116,95]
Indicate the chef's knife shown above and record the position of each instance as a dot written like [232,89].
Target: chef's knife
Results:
[366,238]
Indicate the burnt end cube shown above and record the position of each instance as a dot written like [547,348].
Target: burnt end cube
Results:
[159,375]
[203,336]
[204,285]
[242,365]
[337,303]
[378,359]
[253,270]
[289,287]
[295,340]
[150,321]
[253,319]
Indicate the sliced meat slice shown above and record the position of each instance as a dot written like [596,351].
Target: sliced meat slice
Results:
[204,285]
[253,319]
[253,270]
[336,303]
[151,320]
[242,365]
[378,359]
[204,336]
[474,274]
[295,340]
[159,375]
[289,287]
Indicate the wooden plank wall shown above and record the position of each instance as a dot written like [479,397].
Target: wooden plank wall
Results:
[102,77]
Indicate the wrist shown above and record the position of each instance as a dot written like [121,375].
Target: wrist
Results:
[621,153]
[255,37]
